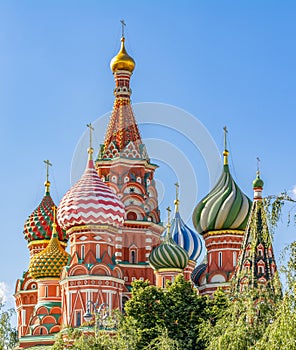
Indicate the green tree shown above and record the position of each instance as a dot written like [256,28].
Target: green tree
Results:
[184,312]
[243,323]
[8,334]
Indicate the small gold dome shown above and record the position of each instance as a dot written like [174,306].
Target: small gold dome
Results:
[122,61]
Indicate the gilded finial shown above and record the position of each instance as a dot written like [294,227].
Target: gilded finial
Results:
[54,221]
[176,202]
[169,223]
[47,182]
[122,27]
[122,61]
[258,166]
[90,149]
[225,152]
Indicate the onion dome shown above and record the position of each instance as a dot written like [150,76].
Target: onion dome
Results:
[258,182]
[168,255]
[49,262]
[197,272]
[183,235]
[38,226]
[122,61]
[226,207]
[90,202]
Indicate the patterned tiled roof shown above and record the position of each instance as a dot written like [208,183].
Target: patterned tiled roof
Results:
[50,261]
[90,201]
[38,226]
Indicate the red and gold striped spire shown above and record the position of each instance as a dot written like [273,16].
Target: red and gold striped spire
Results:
[123,137]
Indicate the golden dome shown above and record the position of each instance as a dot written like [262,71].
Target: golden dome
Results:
[122,61]
[49,262]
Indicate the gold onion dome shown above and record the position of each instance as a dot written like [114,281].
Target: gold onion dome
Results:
[50,261]
[122,61]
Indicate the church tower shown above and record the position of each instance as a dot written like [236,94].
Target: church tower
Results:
[221,218]
[256,266]
[124,165]
[38,231]
[92,215]
[168,259]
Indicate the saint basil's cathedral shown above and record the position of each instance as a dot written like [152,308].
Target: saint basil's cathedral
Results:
[111,223]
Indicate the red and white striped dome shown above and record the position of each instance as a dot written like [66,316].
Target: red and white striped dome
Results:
[90,202]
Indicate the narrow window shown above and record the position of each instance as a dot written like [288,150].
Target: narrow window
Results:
[78,318]
[163,282]
[133,257]
[220,259]
[109,250]
[46,291]
[98,252]
[23,317]
[82,252]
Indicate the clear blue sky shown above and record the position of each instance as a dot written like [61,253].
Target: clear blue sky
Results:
[226,62]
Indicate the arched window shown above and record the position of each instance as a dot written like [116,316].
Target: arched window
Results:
[220,259]
[131,216]
[98,251]
[260,269]
[133,256]
[82,252]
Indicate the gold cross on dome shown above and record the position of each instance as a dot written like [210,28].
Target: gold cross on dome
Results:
[258,164]
[91,129]
[48,164]
[225,137]
[177,197]
[122,27]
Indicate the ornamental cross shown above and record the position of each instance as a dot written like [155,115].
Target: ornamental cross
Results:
[225,137]
[91,129]
[258,164]
[177,191]
[48,164]
[169,216]
[122,27]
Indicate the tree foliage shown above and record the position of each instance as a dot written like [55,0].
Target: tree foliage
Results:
[8,334]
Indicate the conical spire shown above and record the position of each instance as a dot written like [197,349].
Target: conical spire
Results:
[256,266]
[123,137]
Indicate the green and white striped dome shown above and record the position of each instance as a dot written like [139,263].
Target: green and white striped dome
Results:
[168,255]
[226,207]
